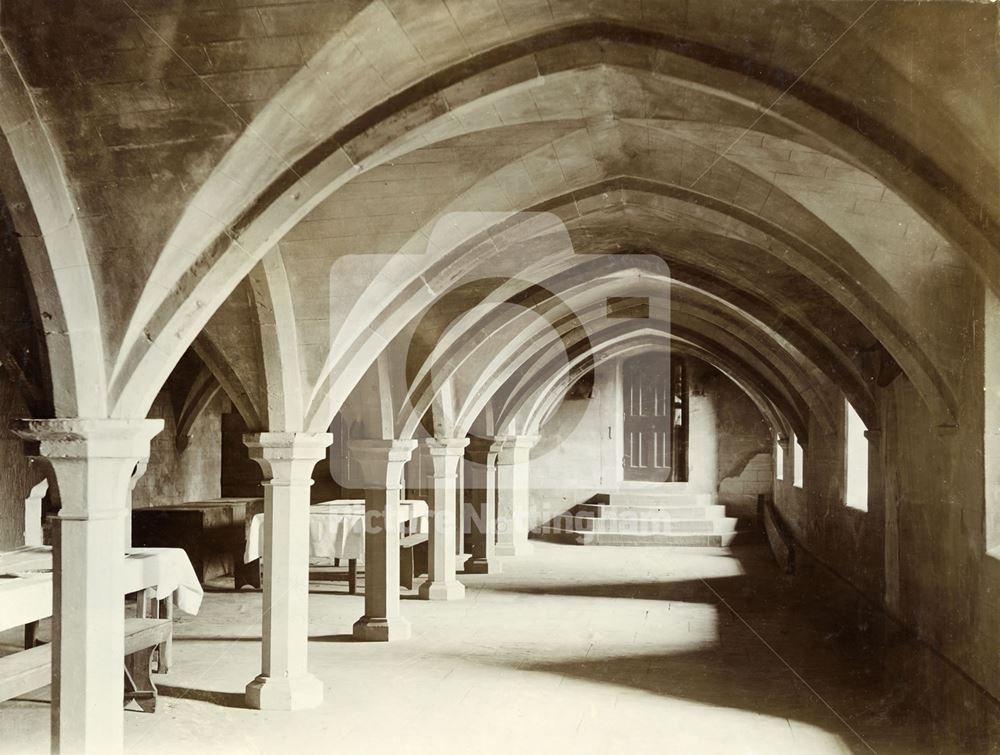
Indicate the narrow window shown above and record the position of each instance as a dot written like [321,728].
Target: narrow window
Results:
[855,460]
[779,461]
[798,457]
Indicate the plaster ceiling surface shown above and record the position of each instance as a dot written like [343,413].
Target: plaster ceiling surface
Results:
[817,179]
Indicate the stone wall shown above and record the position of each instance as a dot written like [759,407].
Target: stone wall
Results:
[739,491]
[21,352]
[241,476]
[921,549]
[940,579]
[18,476]
[176,475]
[745,467]
[847,539]
[568,463]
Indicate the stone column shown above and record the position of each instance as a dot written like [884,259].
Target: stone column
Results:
[441,583]
[882,495]
[481,506]
[513,456]
[287,460]
[460,511]
[92,460]
[381,463]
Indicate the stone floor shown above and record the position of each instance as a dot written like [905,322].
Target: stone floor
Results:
[584,650]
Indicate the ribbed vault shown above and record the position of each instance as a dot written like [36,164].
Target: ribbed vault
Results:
[666,76]
[753,163]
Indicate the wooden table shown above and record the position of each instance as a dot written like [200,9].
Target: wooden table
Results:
[337,531]
[158,576]
[212,533]
[154,573]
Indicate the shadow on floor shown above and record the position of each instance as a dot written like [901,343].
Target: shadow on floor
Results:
[215,697]
[216,638]
[318,574]
[795,648]
[256,638]
[335,638]
[742,679]
[681,591]
[814,598]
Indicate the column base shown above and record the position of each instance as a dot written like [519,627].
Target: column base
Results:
[381,630]
[514,549]
[482,566]
[279,693]
[453,590]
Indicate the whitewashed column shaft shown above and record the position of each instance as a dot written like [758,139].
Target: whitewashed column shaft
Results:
[92,460]
[481,534]
[513,455]
[381,463]
[441,583]
[287,460]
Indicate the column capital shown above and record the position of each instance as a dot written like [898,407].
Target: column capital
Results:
[514,448]
[382,461]
[54,439]
[93,458]
[287,457]
[445,454]
[445,446]
[284,445]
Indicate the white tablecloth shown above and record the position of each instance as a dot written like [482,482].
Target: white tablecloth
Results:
[28,558]
[26,581]
[24,599]
[25,586]
[171,572]
[337,529]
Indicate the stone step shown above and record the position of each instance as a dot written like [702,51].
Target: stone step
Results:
[579,537]
[661,500]
[652,511]
[632,524]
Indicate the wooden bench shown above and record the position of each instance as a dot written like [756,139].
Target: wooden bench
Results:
[25,671]
[147,606]
[412,563]
[142,637]
[31,669]
[412,558]
[352,573]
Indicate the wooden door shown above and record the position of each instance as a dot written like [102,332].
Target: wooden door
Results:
[648,418]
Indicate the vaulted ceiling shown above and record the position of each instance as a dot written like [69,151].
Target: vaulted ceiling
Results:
[316,195]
